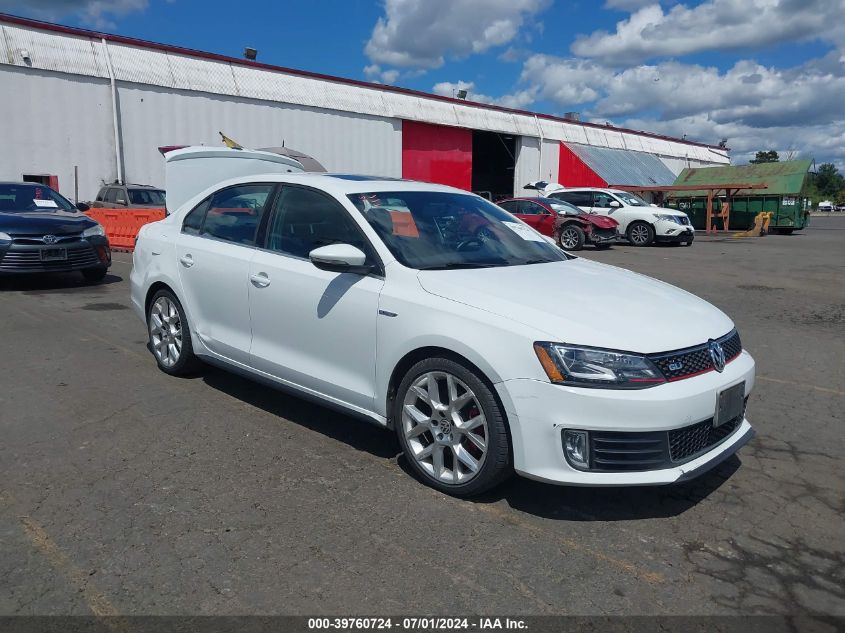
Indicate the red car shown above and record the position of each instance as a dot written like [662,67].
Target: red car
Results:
[570,226]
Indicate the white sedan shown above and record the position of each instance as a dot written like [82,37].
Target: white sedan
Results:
[431,311]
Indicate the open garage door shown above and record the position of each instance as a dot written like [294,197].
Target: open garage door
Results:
[493,164]
[437,153]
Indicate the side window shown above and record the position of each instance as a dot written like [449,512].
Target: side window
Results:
[120,195]
[304,219]
[235,212]
[193,221]
[534,209]
[511,206]
[602,200]
[578,198]
[111,195]
[101,195]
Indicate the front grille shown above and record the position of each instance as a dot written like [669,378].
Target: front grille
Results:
[618,451]
[604,233]
[689,442]
[78,257]
[37,239]
[692,361]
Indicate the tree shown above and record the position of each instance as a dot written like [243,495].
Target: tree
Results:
[828,180]
[770,156]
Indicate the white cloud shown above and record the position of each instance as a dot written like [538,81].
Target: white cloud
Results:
[650,32]
[96,13]
[516,100]
[422,33]
[375,73]
[754,106]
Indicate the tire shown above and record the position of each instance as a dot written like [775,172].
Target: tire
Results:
[95,274]
[169,335]
[640,233]
[571,237]
[688,243]
[457,460]
[603,247]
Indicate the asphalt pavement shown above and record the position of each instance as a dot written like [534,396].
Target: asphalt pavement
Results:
[126,491]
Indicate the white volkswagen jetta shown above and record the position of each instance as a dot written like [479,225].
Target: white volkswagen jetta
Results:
[431,311]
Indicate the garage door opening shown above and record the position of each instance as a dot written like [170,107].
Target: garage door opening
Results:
[493,164]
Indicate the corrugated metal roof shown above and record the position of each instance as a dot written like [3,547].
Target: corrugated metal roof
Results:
[624,166]
[782,178]
[80,52]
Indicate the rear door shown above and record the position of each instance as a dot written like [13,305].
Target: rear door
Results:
[214,251]
[622,214]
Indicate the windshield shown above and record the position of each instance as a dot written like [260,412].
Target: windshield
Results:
[560,206]
[630,199]
[439,230]
[20,198]
[146,196]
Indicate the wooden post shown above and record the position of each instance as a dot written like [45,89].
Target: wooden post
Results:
[709,227]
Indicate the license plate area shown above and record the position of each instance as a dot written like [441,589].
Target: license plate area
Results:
[53,254]
[730,404]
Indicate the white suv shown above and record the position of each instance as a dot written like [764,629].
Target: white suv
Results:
[642,223]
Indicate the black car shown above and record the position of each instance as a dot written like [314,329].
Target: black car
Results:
[42,231]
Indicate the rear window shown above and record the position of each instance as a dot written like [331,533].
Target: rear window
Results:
[147,196]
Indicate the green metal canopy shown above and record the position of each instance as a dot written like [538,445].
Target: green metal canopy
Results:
[786,178]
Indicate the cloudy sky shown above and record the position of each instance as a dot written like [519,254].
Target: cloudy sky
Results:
[765,74]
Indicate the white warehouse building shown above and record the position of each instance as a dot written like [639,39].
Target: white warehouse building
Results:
[80,108]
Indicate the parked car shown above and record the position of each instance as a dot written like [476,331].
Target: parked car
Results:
[641,223]
[485,355]
[116,196]
[570,227]
[42,231]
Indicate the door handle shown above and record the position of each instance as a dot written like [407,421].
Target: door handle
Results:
[260,280]
[186,260]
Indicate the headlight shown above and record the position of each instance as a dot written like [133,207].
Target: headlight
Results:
[589,367]
[5,237]
[94,230]
[666,216]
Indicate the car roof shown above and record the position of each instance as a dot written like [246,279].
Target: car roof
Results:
[344,184]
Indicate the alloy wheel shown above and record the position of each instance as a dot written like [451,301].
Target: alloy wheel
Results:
[569,238]
[639,234]
[166,331]
[445,427]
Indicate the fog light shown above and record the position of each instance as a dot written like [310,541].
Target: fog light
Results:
[576,450]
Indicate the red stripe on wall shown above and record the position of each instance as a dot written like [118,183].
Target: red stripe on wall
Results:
[437,153]
[573,172]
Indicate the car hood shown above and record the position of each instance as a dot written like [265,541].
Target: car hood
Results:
[39,222]
[586,303]
[600,221]
[667,211]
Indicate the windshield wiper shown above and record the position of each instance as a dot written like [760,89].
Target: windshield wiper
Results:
[459,265]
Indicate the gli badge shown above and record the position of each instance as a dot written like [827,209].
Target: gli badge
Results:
[717,355]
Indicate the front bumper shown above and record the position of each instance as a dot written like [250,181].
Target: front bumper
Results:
[81,254]
[539,411]
[675,233]
[603,236]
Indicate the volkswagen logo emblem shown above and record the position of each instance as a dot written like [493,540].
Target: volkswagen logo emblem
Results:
[50,239]
[717,355]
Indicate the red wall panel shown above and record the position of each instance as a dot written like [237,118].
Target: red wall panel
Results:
[573,172]
[437,153]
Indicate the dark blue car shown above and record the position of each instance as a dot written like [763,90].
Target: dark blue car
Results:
[42,231]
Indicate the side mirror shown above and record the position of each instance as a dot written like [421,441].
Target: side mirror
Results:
[82,206]
[340,258]
[614,204]
[121,201]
